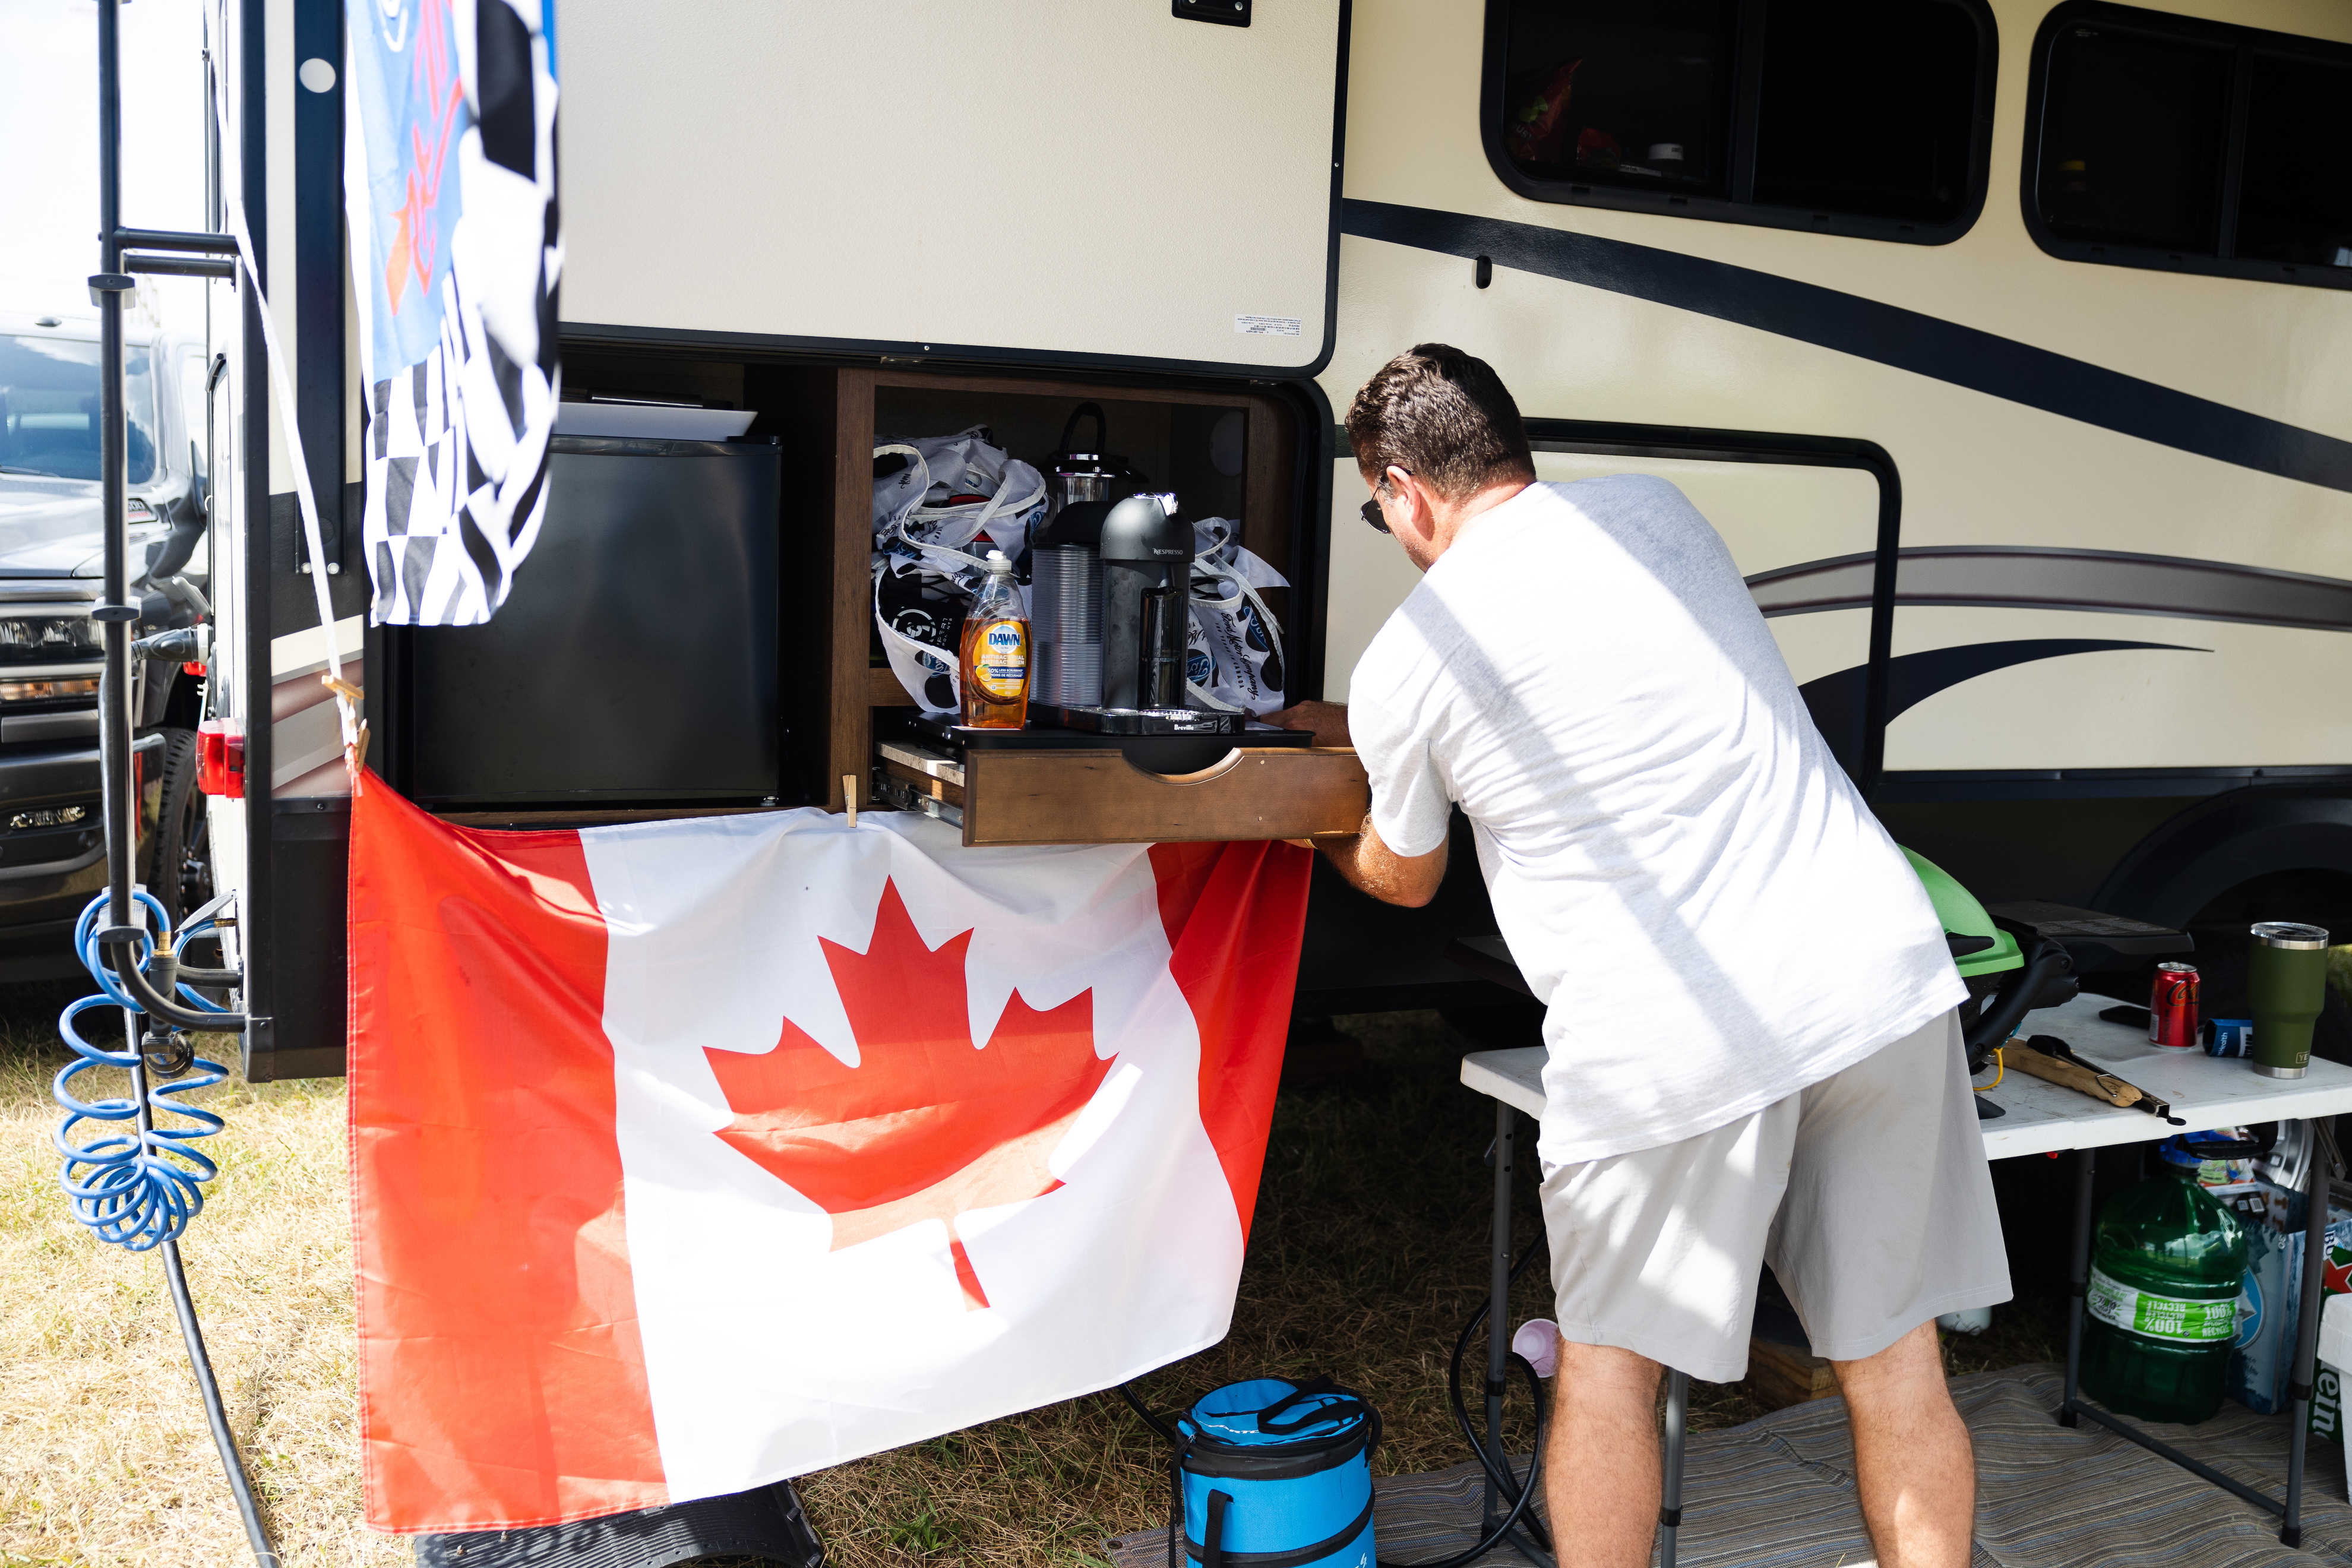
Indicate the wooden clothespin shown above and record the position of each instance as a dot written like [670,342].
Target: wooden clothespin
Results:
[353,699]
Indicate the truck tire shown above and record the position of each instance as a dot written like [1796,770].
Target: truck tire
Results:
[182,872]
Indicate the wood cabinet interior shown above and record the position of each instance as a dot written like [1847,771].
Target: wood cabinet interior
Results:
[1172,437]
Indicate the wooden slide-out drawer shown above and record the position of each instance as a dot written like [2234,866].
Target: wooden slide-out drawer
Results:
[1017,796]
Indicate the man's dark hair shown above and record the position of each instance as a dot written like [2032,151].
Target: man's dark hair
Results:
[1444,416]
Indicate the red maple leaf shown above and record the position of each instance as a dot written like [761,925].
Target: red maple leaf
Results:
[928,1124]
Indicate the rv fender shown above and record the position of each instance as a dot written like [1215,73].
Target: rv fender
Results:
[2194,858]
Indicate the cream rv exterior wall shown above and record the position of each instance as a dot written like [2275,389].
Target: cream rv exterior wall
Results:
[1768,514]
[1976,469]
[1082,179]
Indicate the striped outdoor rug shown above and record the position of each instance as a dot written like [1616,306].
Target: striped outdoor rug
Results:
[1779,1493]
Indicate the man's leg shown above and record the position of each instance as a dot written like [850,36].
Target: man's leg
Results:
[1912,1459]
[1601,1462]
[1889,1220]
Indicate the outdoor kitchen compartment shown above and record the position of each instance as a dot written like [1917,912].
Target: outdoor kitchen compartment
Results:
[690,634]
[636,661]
[1232,451]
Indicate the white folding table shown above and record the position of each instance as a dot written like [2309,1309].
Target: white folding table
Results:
[2038,1118]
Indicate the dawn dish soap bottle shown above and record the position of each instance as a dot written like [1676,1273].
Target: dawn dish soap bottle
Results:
[995,654]
[2168,1262]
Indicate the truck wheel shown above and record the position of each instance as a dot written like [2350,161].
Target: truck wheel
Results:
[181,873]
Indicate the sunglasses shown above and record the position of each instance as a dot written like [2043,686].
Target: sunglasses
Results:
[1370,511]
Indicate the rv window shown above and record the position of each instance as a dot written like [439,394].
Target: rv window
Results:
[2295,194]
[2192,146]
[2131,139]
[1635,98]
[1856,117]
[1867,108]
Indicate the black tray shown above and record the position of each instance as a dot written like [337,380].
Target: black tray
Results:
[1152,753]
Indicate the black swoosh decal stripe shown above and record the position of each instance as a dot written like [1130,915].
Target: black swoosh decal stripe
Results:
[1869,328]
[2033,577]
[1835,700]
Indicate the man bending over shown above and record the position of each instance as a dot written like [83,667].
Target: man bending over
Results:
[1753,1051]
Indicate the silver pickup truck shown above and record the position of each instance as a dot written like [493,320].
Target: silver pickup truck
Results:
[52,855]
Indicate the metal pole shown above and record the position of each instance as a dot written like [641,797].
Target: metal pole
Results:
[212,142]
[1670,1506]
[119,801]
[249,1509]
[2306,1333]
[2078,1282]
[114,717]
[1498,1310]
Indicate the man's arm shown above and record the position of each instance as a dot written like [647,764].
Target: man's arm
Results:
[1371,866]
[1363,859]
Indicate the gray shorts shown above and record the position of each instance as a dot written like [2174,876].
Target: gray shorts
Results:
[1867,1193]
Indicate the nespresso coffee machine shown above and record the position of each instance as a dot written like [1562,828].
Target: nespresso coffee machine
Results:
[1145,554]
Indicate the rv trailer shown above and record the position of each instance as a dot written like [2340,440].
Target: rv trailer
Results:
[2003,343]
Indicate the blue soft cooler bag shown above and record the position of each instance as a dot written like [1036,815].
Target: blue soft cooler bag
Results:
[1275,1473]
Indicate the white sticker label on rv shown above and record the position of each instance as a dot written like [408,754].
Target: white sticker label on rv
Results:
[1267,326]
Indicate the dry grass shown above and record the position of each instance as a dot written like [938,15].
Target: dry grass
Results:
[1367,1253]
[105,1457]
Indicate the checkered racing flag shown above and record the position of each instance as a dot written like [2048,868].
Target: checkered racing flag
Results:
[449,187]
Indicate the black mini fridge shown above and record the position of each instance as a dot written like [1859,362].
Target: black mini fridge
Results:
[634,662]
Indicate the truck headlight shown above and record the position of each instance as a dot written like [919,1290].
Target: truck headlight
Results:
[50,636]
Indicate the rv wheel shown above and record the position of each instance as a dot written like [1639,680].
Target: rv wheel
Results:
[182,872]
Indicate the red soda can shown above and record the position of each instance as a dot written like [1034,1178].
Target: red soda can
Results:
[2172,1007]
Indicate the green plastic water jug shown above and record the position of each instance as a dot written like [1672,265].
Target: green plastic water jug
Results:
[2167,1264]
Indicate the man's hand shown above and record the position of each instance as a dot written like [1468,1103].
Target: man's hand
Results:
[1371,866]
[1368,865]
[1328,721]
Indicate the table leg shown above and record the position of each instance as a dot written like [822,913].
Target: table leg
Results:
[1498,1310]
[2306,1335]
[1670,1511]
[2078,1282]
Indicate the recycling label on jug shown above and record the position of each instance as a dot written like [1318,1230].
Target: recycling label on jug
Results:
[2175,1318]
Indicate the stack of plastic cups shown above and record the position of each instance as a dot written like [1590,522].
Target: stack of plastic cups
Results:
[1066,608]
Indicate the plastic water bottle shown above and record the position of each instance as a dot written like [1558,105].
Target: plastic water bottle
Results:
[2167,1265]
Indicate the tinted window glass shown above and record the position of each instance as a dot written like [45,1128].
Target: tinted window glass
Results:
[1867,107]
[49,409]
[2132,133]
[194,400]
[1635,96]
[2295,200]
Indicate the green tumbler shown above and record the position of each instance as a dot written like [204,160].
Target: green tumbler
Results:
[2286,979]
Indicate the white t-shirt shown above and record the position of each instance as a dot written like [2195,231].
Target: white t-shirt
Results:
[1684,875]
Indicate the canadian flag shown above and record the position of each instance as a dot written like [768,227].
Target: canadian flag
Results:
[689,1156]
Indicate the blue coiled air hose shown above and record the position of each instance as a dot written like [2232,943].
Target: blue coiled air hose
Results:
[136,1188]
[140,1185]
